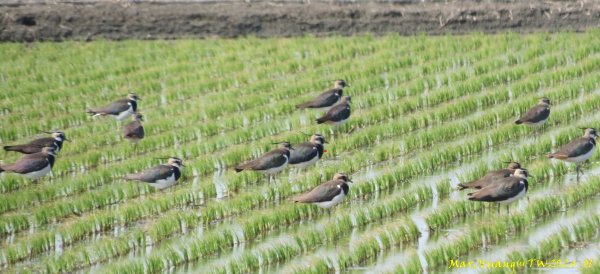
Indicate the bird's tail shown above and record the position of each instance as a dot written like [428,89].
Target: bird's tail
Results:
[462,186]
[239,168]
[550,155]
[91,112]
[518,122]
[13,148]
[1,169]
[321,120]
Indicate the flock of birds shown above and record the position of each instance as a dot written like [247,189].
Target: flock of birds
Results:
[499,186]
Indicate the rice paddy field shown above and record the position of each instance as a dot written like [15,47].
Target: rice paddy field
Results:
[428,112]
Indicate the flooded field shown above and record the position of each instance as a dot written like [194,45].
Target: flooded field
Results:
[427,114]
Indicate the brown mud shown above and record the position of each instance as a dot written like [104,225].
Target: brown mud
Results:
[117,20]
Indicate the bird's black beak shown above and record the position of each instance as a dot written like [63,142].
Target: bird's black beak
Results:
[291,148]
[325,142]
[68,140]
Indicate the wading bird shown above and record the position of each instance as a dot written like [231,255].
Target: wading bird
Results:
[578,150]
[491,177]
[504,191]
[537,115]
[32,166]
[269,163]
[306,154]
[56,140]
[327,98]
[338,114]
[161,176]
[134,131]
[327,194]
[120,109]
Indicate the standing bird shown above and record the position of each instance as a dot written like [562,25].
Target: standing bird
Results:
[308,153]
[33,166]
[327,98]
[327,194]
[161,176]
[338,114]
[56,140]
[505,191]
[269,163]
[134,131]
[120,109]
[537,115]
[491,177]
[578,150]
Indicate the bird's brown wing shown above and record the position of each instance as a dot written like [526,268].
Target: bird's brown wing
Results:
[322,193]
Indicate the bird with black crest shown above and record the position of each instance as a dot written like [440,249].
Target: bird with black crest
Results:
[269,163]
[55,140]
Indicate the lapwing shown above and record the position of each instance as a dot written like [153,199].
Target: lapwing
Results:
[134,131]
[338,114]
[327,98]
[161,176]
[308,153]
[120,109]
[491,177]
[504,191]
[537,115]
[269,163]
[578,150]
[56,140]
[33,166]
[327,194]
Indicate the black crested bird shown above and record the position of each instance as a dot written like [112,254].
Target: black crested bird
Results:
[134,131]
[161,176]
[578,150]
[537,115]
[327,98]
[120,109]
[269,163]
[32,166]
[35,146]
[338,114]
[306,154]
[491,177]
[504,191]
[327,194]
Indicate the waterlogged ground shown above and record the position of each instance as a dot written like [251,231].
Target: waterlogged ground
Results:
[428,113]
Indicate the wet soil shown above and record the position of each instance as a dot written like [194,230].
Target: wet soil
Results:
[30,20]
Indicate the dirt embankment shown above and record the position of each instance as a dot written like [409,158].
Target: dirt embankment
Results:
[124,20]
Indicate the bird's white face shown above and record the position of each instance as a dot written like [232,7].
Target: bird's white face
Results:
[521,173]
[317,139]
[590,132]
[176,162]
[57,136]
[132,96]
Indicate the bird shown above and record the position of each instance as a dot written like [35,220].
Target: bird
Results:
[306,154]
[338,114]
[134,131]
[56,140]
[505,191]
[491,177]
[578,150]
[161,176]
[120,109]
[327,98]
[269,163]
[327,194]
[537,115]
[33,166]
